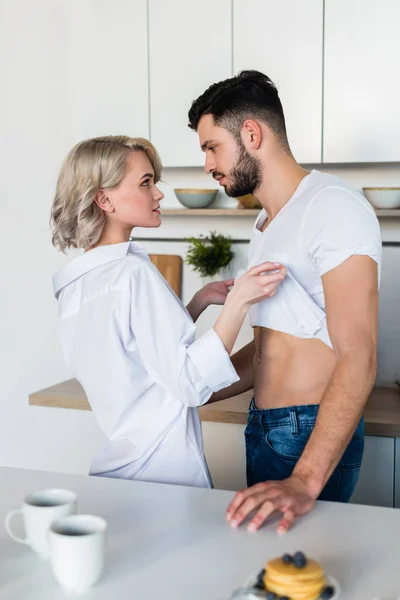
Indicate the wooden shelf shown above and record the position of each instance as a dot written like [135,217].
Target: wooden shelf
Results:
[382,413]
[246,212]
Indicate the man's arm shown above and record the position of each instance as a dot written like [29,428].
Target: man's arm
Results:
[351,297]
[243,363]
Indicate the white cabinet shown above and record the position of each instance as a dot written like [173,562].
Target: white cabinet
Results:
[397,475]
[190,48]
[376,483]
[108,68]
[284,40]
[224,448]
[361,81]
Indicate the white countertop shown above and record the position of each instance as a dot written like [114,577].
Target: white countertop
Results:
[172,543]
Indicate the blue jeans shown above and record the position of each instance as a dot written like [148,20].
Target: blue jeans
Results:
[275,440]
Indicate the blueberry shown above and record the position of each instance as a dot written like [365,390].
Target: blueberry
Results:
[261,574]
[259,585]
[299,560]
[327,593]
[287,559]
[270,596]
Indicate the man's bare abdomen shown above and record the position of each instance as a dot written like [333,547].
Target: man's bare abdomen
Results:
[289,371]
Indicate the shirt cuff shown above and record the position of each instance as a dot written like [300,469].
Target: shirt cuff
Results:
[212,361]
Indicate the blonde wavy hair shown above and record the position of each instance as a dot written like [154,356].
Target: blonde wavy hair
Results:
[76,221]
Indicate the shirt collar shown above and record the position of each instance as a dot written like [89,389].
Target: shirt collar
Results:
[92,259]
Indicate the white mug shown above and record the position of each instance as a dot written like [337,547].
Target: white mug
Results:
[39,510]
[77,549]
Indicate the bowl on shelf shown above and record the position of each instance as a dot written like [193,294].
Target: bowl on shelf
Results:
[196,198]
[383,197]
[248,201]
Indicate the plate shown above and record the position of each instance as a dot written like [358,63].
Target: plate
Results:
[246,593]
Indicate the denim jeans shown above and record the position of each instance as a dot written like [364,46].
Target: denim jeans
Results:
[275,440]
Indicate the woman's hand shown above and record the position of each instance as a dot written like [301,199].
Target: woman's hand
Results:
[258,283]
[215,292]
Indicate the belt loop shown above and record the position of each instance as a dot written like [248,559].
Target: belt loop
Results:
[256,414]
[294,424]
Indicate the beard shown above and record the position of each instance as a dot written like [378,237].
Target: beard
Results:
[246,175]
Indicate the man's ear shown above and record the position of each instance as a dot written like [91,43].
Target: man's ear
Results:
[252,134]
[103,201]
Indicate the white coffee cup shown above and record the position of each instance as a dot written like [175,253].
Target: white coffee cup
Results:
[39,510]
[77,549]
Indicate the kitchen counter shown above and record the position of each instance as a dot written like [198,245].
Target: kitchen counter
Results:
[382,413]
[173,543]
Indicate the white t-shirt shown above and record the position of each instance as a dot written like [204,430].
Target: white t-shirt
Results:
[322,225]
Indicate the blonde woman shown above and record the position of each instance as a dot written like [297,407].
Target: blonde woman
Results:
[124,333]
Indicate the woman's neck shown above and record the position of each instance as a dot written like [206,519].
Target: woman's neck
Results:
[109,237]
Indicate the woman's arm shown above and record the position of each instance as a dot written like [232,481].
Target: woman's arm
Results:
[190,369]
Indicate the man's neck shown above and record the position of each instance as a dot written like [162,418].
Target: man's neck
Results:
[281,179]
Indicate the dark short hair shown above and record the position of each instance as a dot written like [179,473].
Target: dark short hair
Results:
[248,95]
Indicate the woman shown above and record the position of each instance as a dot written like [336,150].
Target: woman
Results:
[125,335]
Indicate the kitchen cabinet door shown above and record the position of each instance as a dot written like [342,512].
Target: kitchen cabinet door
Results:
[361,81]
[190,48]
[225,454]
[397,475]
[375,485]
[108,68]
[284,40]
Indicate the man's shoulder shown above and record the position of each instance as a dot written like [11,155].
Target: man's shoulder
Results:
[327,187]
[333,199]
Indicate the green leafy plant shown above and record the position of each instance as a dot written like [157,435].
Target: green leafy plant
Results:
[207,255]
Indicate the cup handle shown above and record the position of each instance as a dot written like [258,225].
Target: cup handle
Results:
[7,522]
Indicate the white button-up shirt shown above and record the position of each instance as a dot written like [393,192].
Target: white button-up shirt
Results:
[130,342]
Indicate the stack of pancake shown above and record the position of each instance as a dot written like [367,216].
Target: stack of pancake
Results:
[288,580]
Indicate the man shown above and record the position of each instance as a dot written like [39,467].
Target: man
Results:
[313,359]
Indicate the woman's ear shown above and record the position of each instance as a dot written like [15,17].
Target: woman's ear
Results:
[103,201]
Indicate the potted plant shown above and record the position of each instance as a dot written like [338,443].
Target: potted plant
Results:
[210,255]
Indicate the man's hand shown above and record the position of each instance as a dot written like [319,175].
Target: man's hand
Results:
[290,498]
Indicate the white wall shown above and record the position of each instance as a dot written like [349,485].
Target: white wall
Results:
[34,137]
[34,113]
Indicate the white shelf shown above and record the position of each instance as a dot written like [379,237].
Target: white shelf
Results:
[246,212]
[386,212]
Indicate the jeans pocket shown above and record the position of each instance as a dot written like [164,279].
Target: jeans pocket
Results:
[284,445]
